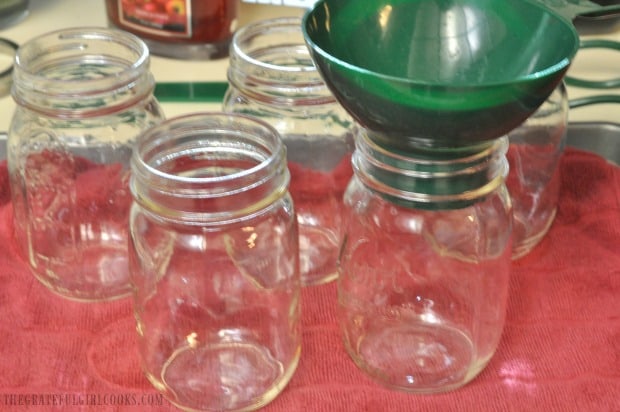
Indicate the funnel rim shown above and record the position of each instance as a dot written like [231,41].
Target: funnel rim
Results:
[555,68]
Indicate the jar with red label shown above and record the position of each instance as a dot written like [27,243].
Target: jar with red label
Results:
[184,29]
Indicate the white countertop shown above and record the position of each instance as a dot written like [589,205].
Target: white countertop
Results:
[48,15]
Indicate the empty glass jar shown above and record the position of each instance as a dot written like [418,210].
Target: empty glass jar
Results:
[83,95]
[424,265]
[214,261]
[272,77]
[534,178]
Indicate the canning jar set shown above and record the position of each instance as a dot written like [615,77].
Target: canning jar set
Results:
[213,222]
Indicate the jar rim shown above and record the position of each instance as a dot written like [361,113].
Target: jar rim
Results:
[88,33]
[240,161]
[269,26]
[76,47]
[7,47]
[269,62]
[199,121]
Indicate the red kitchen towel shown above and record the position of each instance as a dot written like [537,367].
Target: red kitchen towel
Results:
[560,349]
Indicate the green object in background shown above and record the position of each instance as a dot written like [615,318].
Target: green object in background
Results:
[596,84]
[440,73]
[180,92]
[595,10]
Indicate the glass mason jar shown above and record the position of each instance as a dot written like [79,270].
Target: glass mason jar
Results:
[214,261]
[83,95]
[424,265]
[272,77]
[534,177]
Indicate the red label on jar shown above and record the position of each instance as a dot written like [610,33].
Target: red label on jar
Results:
[169,18]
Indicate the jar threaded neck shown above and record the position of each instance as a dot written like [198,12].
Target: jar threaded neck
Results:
[435,180]
[82,72]
[270,63]
[209,168]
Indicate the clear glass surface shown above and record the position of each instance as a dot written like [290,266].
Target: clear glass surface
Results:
[533,180]
[215,264]
[79,110]
[272,77]
[424,274]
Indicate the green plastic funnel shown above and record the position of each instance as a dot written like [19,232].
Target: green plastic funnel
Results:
[440,73]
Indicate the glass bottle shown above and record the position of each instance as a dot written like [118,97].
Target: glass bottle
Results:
[183,29]
[83,95]
[424,265]
[215,263]
[272,77]
[533,180]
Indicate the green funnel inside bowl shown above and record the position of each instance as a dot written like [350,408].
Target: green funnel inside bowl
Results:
[439,73]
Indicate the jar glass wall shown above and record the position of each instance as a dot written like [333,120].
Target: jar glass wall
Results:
[214,261]
[424,265]
[83,95]
[534,181]
[272,77]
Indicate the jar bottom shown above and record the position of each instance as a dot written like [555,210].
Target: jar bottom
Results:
[525,239]
[318,254]
[417,357]
[231,376]
[101,275]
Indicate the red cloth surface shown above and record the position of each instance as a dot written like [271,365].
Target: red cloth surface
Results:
[560,349]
